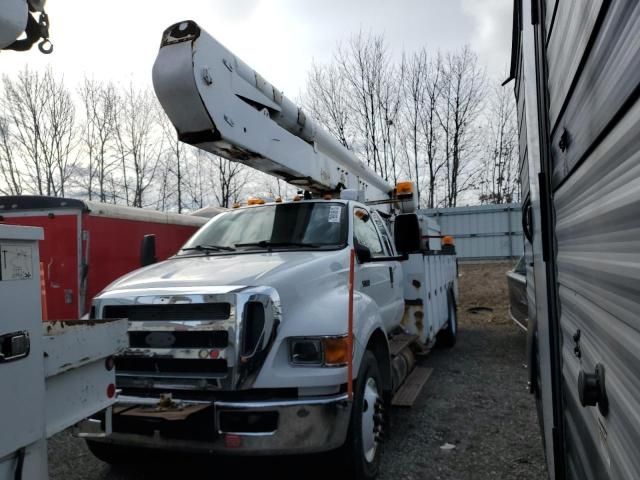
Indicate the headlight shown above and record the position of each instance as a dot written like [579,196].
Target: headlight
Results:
[318,351]
[306,351]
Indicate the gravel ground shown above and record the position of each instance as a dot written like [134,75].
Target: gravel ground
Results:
[475,400]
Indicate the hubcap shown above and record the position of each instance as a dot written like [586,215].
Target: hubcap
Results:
[371,419]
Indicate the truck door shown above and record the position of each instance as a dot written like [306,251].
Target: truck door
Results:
[379,280]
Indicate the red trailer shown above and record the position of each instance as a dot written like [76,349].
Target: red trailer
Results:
[87,244]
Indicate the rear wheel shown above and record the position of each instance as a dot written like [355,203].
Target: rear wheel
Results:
[447,337]
[361,451]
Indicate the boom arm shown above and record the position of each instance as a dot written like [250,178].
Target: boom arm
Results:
[221,105]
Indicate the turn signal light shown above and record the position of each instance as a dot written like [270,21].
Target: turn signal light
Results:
[336,351]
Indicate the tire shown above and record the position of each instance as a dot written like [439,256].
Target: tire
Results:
[362,449]
[447,337]
[114,454]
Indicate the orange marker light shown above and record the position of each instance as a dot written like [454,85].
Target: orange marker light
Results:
[448,240]
[404,188]
[255,201]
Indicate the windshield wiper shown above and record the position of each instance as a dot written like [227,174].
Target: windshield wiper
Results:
[268,244]
[208,248]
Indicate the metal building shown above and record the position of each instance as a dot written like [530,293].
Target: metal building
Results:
[483,232]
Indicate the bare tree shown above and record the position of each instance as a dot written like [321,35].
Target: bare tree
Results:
[175,158]
[42,116]
[227,179]
[499,182]
[390,104]
[362,62]
[195,184]
[100,102]
[415,68]
[326,99]
[9,169]
[21,103]
[357,97]
[139,145]
[462,95]
[60,134]
[430,127]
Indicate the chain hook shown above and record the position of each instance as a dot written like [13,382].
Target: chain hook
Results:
[45,45]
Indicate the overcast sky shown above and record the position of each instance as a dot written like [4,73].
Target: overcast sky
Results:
[118,39]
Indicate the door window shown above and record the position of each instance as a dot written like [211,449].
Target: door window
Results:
[384,233]
[366,233]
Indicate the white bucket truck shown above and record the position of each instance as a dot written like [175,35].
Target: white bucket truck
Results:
[283,327]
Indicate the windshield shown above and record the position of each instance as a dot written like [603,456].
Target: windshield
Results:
[312,225]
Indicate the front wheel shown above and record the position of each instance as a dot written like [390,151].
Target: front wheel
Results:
[361,451]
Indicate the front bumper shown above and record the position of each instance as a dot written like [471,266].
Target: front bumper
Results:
[307,425]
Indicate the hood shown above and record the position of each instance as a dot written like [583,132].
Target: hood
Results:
[274,269]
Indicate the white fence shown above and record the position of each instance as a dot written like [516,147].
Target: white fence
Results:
[484,232]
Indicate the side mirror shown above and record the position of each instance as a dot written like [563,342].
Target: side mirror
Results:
[407,233]
[148,250]
[362,252]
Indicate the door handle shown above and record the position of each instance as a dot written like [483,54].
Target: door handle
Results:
[14,346]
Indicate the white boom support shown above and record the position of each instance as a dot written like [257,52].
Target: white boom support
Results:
[221,105]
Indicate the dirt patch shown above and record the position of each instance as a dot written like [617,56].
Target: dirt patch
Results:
[484,286]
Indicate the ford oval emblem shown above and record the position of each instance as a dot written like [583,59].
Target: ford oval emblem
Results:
[160,339]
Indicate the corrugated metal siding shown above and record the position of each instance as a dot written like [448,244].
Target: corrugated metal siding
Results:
[573,24]
[482,232]
[603,86]
[598,235]
[597,205]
